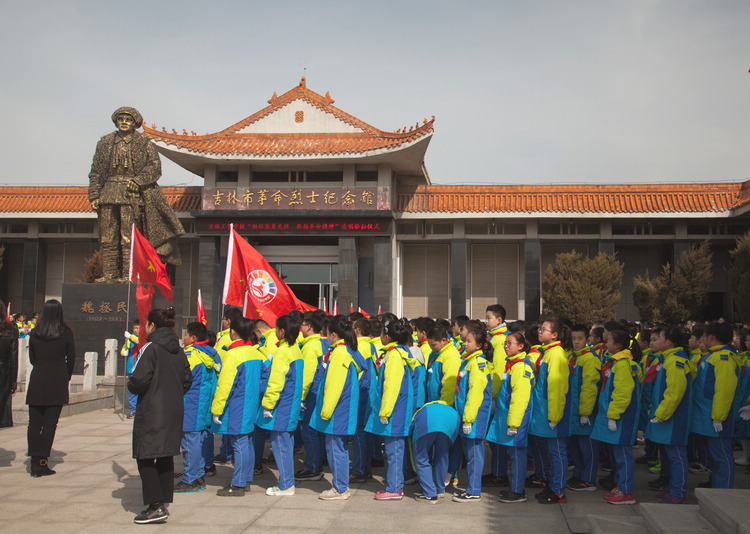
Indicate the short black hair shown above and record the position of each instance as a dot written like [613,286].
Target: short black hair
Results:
[498,310]
[198,330]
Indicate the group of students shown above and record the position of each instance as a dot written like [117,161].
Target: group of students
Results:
[549,394]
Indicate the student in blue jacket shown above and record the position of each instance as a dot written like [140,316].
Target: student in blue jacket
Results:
[236,402]
[337,408]
[282,401]
[197,401]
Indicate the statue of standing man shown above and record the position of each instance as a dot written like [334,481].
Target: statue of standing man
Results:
[123,191]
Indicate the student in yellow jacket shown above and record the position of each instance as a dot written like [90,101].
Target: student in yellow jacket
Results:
[421,327]
[282,401]
[498,331]
[223,340]
[267,338]
[362,442]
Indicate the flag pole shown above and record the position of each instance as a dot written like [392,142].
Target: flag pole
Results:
[127,321]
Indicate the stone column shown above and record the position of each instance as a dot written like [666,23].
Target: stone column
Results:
[533,276]
[33,276]
[458,277]
[348,273]
[209,279]
[90,360]
[110,358]
[383,273]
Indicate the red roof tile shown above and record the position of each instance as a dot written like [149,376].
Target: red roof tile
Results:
[643,198]
[75,199]
[229,142]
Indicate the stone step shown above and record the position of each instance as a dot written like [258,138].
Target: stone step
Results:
[619,524]
[674,519]
[728,510]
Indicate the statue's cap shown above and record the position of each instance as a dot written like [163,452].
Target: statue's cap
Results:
[127,110]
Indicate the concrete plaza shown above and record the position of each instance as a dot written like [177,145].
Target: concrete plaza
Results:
[97,489]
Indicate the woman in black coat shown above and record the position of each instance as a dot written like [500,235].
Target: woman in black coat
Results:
[160,378]
[52,353]
[8,366]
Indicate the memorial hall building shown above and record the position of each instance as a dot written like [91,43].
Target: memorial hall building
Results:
[346,212]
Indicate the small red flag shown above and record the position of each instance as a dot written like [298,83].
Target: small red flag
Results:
[143,296]
[379,312]
[335,308]
[201,310]
[325,305]
[351,307]
[363,312]
[146,264]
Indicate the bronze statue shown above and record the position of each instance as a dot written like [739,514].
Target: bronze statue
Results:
[123,191]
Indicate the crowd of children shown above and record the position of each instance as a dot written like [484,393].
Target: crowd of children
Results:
[425,395]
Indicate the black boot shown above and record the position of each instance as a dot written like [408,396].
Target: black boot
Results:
[35,467]
[44,468]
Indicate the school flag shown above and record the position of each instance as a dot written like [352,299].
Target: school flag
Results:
[146,268]
[201,310]
[249,276]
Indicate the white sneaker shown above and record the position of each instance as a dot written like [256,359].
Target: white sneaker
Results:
[742,460]
[333,495]
[275,490]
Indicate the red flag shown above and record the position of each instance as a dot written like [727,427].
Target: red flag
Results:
[143,296]
[325,306]
[351,307]
[145,262]
[379,312]
[249,274]
[335,308]
[363,312]
[201,310]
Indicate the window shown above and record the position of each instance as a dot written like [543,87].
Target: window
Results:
[226,176]
[270,176]
[325,176]
[367,176]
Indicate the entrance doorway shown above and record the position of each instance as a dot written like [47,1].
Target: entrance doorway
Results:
[311,282]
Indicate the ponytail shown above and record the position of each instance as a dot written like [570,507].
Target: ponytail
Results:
[290,326]
[343,329]
[482,338]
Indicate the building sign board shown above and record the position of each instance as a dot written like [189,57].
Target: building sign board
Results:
[296,197]
[296,225]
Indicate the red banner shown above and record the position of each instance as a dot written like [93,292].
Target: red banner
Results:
[250,282]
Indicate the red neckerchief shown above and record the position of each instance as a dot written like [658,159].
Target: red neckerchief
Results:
[422,341]
[599,349]
[330,350]
[651,371]
[498,333]
[510,363]
[204,342]
[541,357]
[606,368]
[458,378]
[382,356]
[238,343]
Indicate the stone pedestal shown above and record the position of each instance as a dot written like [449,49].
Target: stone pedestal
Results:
[97,312]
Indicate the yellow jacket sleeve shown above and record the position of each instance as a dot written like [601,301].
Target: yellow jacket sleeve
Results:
[675,390]
[224,385]
[726,384]
[276,377]
[557,384]
[394,374]
[520,385]
[475,395]
[338,368]
[499,357]
[311,351]
[451,361]
[591,370]
[622,388]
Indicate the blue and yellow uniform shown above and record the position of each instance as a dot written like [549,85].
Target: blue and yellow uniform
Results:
[237,402]
[442,372]
[619,401]
[434,428]
[458,344]
[362,442]
[474,403]
[497,337]
[513,407]
[313,348]
[670,416]
[336,411]
[714,409]
[392,399]
[268,342]
[283,398]
[584,388]
[130,352]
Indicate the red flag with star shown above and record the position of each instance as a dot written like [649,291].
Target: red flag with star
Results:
[145,262]
[252,283]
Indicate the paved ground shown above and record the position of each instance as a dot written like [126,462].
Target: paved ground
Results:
[97,489]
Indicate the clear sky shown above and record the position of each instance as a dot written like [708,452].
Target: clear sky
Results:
[597,91]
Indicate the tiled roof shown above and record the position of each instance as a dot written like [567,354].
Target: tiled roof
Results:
[75,199]
[643,198]
[230,143]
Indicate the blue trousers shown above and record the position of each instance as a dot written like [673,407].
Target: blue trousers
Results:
[474,450]
[193,466]
[337,449]
[674,457]
[455,456]
[431,460]
[315,444]
[558,459]
[540,455]
[623,457]
[244,458]
[721,462]
[585,454]
[208,448]
[361,451]
[282,446]
[225,449]
[378,447]
[394,453]
[518,459]
[498,460]
[259,443]
[697,449]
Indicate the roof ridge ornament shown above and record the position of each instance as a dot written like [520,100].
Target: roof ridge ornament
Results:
[328,100]
[274,99]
